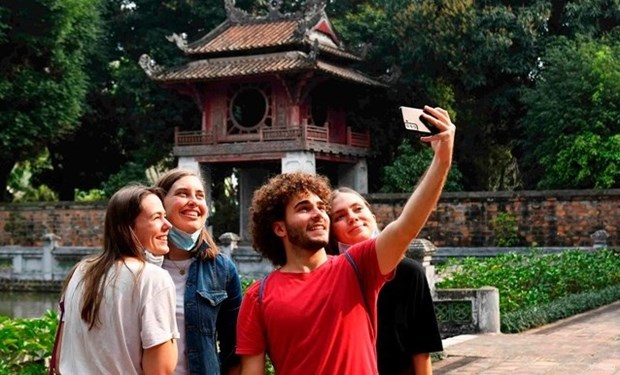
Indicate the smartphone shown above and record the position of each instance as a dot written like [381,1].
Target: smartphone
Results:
[412,117]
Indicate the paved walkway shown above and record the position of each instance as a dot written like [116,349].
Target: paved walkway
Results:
[587,343]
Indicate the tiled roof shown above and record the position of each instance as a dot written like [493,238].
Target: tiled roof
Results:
[233,38]
[287,62]
[237,37]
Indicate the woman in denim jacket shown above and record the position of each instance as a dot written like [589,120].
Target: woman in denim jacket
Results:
[207,283]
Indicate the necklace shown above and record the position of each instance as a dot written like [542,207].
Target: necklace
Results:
[181,270]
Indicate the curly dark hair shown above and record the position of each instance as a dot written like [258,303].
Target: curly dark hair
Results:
[269,205]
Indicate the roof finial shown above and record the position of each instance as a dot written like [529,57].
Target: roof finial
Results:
[312,7]
[233,13]
[274,9]
[179,40]
[275,5]
[314,52]
[149,65]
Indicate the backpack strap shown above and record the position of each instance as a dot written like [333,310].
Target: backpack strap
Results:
[55,349]
[261,296]
[359,279]
[61,306]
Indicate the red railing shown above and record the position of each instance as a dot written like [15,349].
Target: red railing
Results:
[279,134]
[358,139]
[307,132]
[189,138]
[316,133]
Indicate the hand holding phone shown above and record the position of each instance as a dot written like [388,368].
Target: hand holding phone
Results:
[415,122]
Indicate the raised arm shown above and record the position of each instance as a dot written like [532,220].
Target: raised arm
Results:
[396,236]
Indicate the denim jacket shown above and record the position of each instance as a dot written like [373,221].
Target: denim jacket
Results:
[212,299]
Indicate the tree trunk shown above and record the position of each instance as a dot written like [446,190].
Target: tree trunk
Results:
[5,169]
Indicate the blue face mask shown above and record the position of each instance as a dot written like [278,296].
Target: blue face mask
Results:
[182,240]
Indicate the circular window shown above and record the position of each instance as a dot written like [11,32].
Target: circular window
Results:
[248,108]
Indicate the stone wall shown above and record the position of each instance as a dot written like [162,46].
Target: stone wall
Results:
[545,218]
[77,224]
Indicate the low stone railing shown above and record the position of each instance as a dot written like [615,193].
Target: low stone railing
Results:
[39,268]
[459,311]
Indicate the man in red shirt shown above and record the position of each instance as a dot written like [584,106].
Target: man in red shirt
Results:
[316,314]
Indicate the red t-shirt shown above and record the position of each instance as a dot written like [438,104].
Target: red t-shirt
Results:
[316,322]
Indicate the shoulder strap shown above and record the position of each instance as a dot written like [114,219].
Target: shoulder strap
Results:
[359,279]
[61,307]
[261,294]
[55,349]
[261,291]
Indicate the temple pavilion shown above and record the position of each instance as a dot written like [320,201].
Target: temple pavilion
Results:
[274,92]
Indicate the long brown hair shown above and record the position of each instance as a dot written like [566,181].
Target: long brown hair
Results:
[165,183]
[119,242]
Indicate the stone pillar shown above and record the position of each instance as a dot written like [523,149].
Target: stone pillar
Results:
[207,177]
[18,264]
[354,176]
[189,163]
[422,250]
[249,180]
[487,305]
[49,244]
[228,243]
[299,161]
[600,238]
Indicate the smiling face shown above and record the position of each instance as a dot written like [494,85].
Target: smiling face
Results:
[352,220]
[186,204]
[151,227]
[306,224]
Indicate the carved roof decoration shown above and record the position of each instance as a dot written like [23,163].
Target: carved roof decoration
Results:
[255,65]
[244,33]
[246,45]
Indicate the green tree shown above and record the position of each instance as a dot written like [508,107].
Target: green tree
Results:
[44,46]
[469,57]
[130,122]
[584,17]
[410,165]
[572,125]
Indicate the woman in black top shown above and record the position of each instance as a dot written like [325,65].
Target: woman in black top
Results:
[407,326]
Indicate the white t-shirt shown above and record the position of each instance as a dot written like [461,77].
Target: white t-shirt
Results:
[137,312]
[179,270]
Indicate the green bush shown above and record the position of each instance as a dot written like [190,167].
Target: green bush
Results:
[25,344]
[535,279]
[505,229]
[536,289]
[92,195]
[573,304]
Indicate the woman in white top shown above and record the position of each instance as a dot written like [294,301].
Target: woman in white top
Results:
[119,309]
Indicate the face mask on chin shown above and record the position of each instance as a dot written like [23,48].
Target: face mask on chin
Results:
[149,257]
[157,260]
[182,240]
